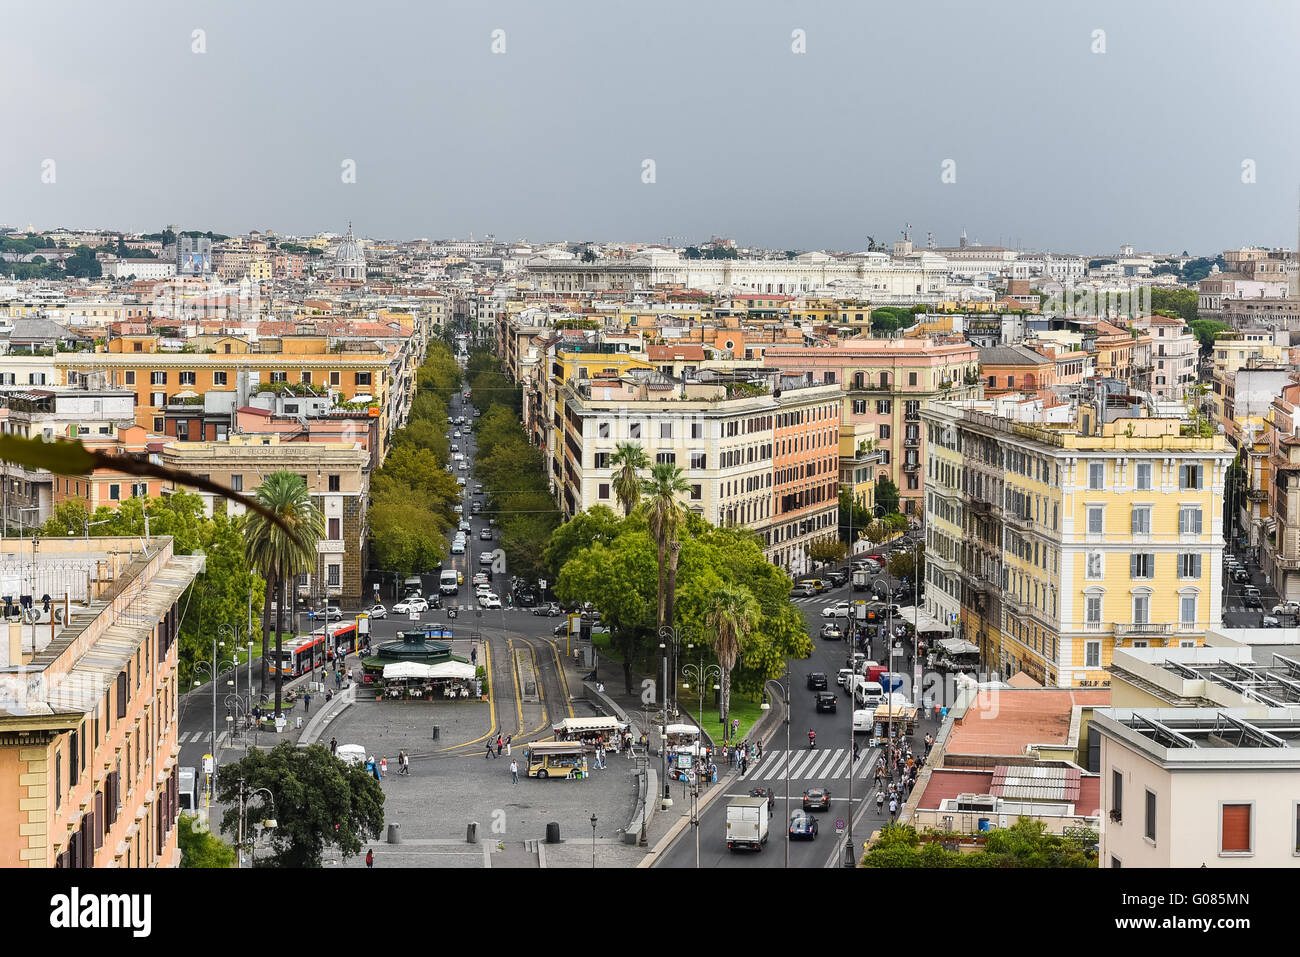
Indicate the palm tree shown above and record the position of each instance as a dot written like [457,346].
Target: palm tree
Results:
[630,460]
[283,550]
[732,617]
[664,514]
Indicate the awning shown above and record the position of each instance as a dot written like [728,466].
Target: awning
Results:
[407,669]
[957,646]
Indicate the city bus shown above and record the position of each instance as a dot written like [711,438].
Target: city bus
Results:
[300,655]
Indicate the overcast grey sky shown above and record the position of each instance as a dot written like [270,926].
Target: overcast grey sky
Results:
[1054,146]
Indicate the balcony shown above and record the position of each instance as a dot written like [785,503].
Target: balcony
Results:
[1287,564]
[912,442]
[913,415]
[911,466]
[1022,522]
[980,507]
[1142,630]
[1257,494]
[975,581]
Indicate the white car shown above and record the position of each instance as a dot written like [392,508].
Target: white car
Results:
[458,548]
[413,604]
[843,677]
[459,509]
[455,435]
[841,609]
[464,525]
[377,611]
[462,466]
[490,600]
[1287,608]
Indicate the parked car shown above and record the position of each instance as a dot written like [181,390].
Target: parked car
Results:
[842,678]
[836,578]
[333,613]
[803,824]
[525,597]
[377,611]
[841,609]
[817,799]
[408,605]
[825,702]
[461,466]
[478,489]
[1240,575]
[1287,607]
[817,681]
[548,610]
[1271,621]
[465,525]
[1250,594]
[802,590]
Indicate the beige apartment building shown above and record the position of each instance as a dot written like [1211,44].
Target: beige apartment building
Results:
[88,705]
[338,479]
[723,435]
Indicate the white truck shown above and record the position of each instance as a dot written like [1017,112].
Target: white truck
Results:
[747,823]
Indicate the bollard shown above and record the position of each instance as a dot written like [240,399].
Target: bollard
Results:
[394,835]
[436,731]
[299,725]
[471,833]
[553,832]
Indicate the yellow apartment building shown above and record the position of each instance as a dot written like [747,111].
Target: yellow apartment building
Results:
[1064,545]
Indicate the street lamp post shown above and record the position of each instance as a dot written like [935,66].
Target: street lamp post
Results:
[593,841]
[787,763]
[701,674]
[213,670]
[668,634]
[243,807]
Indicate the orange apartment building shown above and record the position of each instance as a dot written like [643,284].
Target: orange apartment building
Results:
[105,486]
[806,471]
[88,717]
[1016,369]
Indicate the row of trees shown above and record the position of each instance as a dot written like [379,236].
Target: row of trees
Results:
[1024,844]
[513,472]
[412,494]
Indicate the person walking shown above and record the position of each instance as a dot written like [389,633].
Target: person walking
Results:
[744,764]
[370,858]
[893,806]
[473,655]
[880,801]
[855,752]
[383,767]
[514,771]
[500,744]
[489,753]
[334,746]
[508,737]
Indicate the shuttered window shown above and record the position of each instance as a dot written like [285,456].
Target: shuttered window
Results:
[1235,829]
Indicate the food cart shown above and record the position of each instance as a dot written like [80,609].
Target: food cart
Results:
[555,759]
[592,731]
[899,718]
[686,751]
[955,654]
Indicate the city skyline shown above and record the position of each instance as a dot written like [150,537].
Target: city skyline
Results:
[546,139]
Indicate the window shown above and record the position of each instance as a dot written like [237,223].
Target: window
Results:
[1142,565]
[859,406]
[335,483]
[1187,610]
[1189,476]
[911,378]
[187,378]
[335,532]
[73,751]
[665,430]
[1117,795]
[1096,569]
[279,377]
[1141,609]
[1150,831]
[1143,476]
[699,460]
[306,377]
[335,577]
[121,695]
[884,432]
[361,378]
[158,398]
[602,430]
[1096,519]
[58,778]
[237,483]
[218,378]
[335,378]
[600,460]
[634,430]
[1115,863]
[1189,565]
[1141,520]
[602,490]
[1096,474]
[1236,828]
[1092,611]
[129,378]
[666,458]
[1189,520]
[697,430]
[115,491]
[158,378]
[697,492]
[884,406]
[157,422]
[140,490]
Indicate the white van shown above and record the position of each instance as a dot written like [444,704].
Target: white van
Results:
[868,694]
[448,582]
[187,785]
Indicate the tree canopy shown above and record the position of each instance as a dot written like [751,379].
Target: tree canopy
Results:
[1024,844]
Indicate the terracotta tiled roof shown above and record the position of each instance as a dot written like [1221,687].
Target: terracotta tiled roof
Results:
[1004,722]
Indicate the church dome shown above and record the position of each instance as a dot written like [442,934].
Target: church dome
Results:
[349,260]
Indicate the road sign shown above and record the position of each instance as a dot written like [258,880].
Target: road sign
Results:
[839,825]
[207,764]
[541,583]
[413,615]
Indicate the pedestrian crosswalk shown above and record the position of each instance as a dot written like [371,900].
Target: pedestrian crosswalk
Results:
[816,764]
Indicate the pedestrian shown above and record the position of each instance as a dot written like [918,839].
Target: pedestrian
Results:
[383,767]
[500,744]
[370,858]
[375,768]
[744,765]
[514,771]
[713,774]
[893,806]
[855,751]
[508,737]
[880,801]
[473,655]
[489,753]
[760,750]
[307,702]
[334,745]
